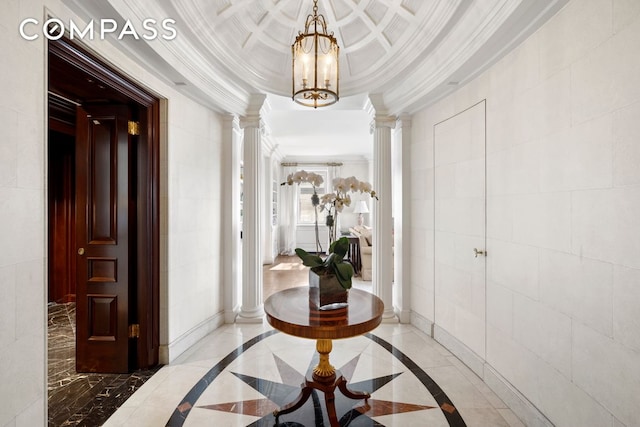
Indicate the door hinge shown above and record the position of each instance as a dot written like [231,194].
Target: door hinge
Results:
[134,331]
[134,128]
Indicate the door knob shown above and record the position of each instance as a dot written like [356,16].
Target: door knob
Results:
[477,252]
[81,251]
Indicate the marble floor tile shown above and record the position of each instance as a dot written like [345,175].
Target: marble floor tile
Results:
[510,418]
[413,380]
[245,391]
[79,399]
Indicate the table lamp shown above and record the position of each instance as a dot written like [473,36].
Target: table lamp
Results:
[360,208]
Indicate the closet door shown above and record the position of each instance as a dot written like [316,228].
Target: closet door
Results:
[459,248]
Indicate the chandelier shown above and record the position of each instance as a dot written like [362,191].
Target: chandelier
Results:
[315,63]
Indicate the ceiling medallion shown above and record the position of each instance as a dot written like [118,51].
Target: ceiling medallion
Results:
[315,64]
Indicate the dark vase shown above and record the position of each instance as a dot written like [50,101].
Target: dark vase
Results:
[326,292]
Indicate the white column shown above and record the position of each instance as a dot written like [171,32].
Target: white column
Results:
[251,310]
[401,172]
[382,224]
[232,260]
[270,173]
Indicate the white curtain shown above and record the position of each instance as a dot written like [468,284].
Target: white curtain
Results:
[335,172]
[288,213]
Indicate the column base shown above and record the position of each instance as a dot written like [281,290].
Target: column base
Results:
[253,316]
[389,316]
[403,315]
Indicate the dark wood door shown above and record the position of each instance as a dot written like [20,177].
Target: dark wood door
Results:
[62,240]
[102,239]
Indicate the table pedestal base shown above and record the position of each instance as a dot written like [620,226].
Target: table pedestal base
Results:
[323,379]
[328,388]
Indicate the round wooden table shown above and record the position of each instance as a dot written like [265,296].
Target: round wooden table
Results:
[290,312]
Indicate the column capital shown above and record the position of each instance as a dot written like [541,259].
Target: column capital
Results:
[252,121]
[381,121]
[231,121]
[404,120]
[258,107]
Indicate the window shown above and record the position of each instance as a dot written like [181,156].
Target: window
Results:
[306,214]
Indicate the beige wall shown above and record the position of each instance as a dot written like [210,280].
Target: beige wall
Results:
[563,197]
[22,223]
[191,302]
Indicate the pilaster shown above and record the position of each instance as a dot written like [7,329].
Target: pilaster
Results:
[382,225]
[251,310]
[402,217]
[232,261]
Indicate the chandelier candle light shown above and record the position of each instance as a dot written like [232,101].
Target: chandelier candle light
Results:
[315,63]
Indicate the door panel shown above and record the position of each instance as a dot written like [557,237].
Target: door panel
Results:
[62,241]
[459,153]
[102,239]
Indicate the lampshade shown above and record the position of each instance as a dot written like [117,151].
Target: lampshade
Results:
[315,63]
[361,207]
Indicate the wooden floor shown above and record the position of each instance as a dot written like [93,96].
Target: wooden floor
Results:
[285,272]
[288,272]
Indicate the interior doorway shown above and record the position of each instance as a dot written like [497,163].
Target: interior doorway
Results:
[460,227]
[103,204]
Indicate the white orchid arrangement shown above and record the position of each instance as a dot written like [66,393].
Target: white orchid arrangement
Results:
[303,176]
[340,196]
[341,189]
[333,202]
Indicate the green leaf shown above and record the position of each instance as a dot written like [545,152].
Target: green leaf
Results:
[302,253]
[330,260]
[344,273]
[308,259]
[340,247]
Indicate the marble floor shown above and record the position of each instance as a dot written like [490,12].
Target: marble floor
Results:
[77,399]
[240,373]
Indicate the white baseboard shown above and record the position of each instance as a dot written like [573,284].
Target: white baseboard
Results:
[169,352]
[516,401]
[520,405]
[460,350]
[422,323]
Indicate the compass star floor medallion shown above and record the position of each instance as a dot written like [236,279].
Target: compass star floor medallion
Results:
[401,392]
[279,394]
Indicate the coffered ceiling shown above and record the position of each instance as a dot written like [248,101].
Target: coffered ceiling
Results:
[409,53]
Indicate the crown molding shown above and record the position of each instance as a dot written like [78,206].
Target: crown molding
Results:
[456,41]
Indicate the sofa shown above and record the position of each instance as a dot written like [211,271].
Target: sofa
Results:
[364,234]
[365,238]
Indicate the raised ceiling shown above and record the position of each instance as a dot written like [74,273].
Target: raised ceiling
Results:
[404,54]
[378,39]
[409,52]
